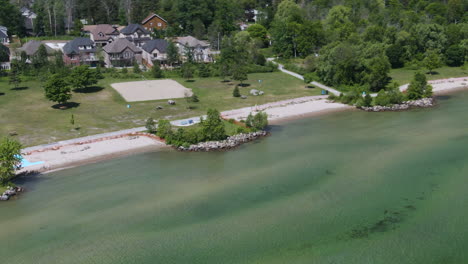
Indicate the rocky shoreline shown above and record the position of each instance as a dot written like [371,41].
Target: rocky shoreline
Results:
[421,103]
[229,143]
[10,192]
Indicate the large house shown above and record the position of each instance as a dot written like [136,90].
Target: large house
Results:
[122,53]
[4,35]
[102,34]
[4,57]
[80,51]
[31,48]
[28,16]
[136,34]
[200,49]
[154,21]
[155,50]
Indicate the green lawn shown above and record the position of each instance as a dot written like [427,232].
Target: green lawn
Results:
[31,116]
[404,76]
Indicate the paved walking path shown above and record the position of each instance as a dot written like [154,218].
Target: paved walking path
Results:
[322,86]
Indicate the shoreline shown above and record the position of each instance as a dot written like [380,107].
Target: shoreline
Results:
[92,149]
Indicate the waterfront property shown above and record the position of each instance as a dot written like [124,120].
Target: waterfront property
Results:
[154,21]
[135,33]
[200,49]
[155,51]
[80,51]
[122,53]
[102,34]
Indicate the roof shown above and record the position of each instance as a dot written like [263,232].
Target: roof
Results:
[191,42]
[132,28]
[148,18]
[106,29]
[159,44]
[31,47]
[72,46]
[3,32]
[119,45]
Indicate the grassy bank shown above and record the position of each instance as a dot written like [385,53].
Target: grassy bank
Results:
[404,75]
[100,109]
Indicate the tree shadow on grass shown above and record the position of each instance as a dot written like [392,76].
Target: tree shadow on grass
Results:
[244,84]
[190,81]
[66,106]
[2,94]
[225,81]
[19,88]
[432,73]
[91,89]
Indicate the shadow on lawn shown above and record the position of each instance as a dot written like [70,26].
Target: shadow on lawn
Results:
[19,88]
[92,89]
[2,94]
[66,106]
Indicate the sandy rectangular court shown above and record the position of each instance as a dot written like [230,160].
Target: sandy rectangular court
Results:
[151,90]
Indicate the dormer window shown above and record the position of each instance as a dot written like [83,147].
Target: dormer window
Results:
[101,34]
[81,47]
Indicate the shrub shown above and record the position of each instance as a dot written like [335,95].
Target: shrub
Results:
[164,129]
[150,125]
[236,92]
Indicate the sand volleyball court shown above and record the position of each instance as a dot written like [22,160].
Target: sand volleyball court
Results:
[151,90]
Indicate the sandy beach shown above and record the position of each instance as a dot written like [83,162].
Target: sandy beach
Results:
[63,156]
[95,148]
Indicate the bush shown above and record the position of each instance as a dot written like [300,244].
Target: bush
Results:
[164,129]
[150,125]
[236,92]
[258,121]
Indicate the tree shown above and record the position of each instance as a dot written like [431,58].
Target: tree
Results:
[204,70]
[82,77]
[14,76]
[57,89]
[156,71]
[418,87]
[136,68]
[41,58]
[213,127]
[260,121]
[10,159]
[259,32]
[164,129]
[187,71]
[239,74]
[150,125]
[455,56]
[172,54]
[236,92]
[432,60]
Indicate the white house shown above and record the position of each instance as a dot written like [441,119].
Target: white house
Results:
[201,49]
[4,35]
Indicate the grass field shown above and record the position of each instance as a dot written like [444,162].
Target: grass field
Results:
[404,76]
[101,109]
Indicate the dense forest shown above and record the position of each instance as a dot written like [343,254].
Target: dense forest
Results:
[344,42]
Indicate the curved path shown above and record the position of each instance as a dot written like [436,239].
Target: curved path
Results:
[437,85]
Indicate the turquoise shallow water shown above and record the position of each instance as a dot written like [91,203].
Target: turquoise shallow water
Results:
[349,187]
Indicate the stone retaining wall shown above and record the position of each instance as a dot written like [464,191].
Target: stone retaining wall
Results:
[229,143]
[421,103]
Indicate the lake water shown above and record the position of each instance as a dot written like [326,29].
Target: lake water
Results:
[350,187]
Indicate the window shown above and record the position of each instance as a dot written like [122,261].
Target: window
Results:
[151,24]
[127,54]
[81,47]
[101,34]
[159,24]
